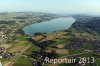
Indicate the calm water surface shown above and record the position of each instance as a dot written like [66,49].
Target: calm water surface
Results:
[49,26]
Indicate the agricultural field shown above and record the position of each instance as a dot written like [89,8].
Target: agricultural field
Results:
[23,48]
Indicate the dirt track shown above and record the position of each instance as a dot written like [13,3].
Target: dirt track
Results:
[24,49]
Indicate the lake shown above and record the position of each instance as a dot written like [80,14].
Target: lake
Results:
[56,24]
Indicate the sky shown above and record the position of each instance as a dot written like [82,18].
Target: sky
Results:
[51,6]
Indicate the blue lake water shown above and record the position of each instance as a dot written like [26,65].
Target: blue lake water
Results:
[49,26]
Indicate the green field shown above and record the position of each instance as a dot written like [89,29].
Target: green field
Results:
[21,61]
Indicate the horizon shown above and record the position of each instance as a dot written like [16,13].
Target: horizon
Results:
[51,6]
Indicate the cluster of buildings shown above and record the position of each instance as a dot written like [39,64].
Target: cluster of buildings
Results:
[3,36]
[5,54]
[78,43]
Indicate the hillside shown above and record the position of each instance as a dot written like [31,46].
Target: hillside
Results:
[88,24]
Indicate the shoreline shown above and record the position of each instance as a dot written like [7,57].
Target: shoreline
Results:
[48,32]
